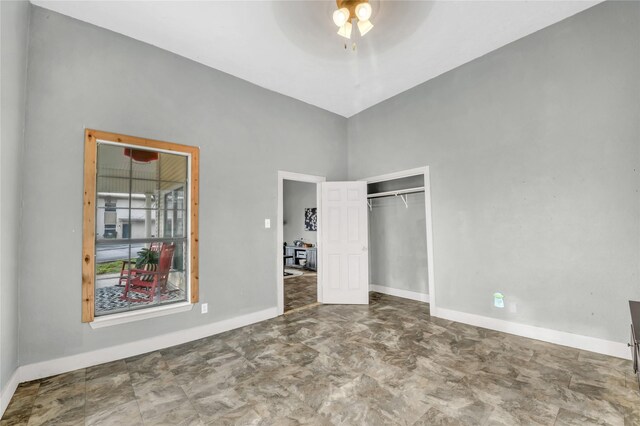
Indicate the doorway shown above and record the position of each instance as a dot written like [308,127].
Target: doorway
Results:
[300,229]
[126,230]
[298,240]
[342,269]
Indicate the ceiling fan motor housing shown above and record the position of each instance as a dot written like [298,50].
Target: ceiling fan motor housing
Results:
[351,6]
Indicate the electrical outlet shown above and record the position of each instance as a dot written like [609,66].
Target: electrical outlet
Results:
[204,308]
[513,307]
[498,300]
[267,223]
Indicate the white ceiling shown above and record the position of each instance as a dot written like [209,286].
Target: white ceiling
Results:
[291,47]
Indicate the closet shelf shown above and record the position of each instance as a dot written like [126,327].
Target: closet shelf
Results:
[397,192]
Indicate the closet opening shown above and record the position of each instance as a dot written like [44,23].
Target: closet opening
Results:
[400,242]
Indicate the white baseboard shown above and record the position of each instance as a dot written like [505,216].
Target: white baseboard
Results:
[592,344]
[407,294]
[87,359]
[8,390]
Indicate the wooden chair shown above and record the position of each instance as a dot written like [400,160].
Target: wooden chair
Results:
[127,265]
[145,282]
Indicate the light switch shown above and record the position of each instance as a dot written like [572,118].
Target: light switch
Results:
[267,223]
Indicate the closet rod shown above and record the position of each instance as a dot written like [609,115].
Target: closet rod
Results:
[398,192]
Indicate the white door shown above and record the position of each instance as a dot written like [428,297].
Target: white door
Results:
[345,243]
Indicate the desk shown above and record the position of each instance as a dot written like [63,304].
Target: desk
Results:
[310,254]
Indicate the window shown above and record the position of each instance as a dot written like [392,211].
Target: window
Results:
[140,236]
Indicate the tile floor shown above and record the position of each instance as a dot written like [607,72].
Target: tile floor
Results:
[301,290]
[387,363]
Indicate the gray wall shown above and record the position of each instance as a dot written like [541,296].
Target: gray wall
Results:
[533,152]
[297,196]
[83,76]
[534,157]
[14,24]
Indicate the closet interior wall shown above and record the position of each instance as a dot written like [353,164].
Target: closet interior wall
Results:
[397,236]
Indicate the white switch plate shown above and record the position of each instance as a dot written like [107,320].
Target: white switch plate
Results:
[267,223]
[204,308]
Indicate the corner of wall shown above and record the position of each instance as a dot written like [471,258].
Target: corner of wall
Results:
[19,42]
[23,169]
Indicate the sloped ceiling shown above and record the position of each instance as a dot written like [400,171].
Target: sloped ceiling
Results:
[291,47]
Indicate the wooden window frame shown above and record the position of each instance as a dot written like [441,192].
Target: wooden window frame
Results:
[89,210]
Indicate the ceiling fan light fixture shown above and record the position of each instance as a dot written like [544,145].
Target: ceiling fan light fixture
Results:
[347,11]
[345,30]
[341,16]
[364,27]
[363,11]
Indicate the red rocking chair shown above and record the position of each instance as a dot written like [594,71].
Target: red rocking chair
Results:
[145,282]
[126,264]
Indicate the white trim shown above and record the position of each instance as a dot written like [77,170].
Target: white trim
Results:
[140,314]
[428,220]
[299,177]
[87,359]
[406,294]
[429,228]
[9,389]
[587,343]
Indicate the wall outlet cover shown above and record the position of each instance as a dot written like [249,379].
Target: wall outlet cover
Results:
[204,308]
[267,223]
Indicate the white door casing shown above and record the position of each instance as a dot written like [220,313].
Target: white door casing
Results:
[345,243]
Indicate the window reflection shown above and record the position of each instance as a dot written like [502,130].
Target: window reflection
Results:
[141,238]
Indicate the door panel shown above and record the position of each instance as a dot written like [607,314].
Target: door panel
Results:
[345,258]
[334,271]
[334,225]
[353,227]
[354,271]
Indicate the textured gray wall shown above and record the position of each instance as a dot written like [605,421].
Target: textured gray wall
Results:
[534,158]
[297,196]
[14,23]
[83,76]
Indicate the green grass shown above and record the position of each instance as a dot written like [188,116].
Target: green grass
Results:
[109,267]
